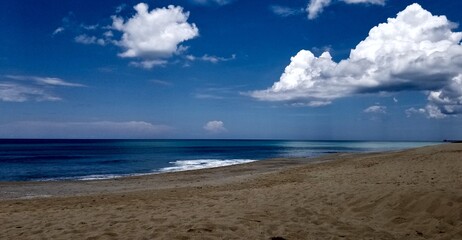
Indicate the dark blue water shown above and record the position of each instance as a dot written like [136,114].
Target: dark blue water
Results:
[42,160]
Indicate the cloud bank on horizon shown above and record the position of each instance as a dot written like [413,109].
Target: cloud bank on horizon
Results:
[95,129]
[416,51]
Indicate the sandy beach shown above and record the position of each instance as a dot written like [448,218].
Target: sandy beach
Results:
[411,194]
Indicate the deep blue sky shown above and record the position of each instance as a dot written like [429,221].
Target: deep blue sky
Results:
[54,85]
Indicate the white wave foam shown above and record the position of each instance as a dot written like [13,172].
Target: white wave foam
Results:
[178,166]
[100,177]
[95,177]
[185,165]
[85,178]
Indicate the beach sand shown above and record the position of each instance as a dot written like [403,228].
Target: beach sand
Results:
[411,194]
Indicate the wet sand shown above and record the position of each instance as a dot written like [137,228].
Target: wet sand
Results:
[412,194]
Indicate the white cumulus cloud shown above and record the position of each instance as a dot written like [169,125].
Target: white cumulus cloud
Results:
[215,127]
[153,35]
[315,7]
[431,111]
[148,37]
[416,51]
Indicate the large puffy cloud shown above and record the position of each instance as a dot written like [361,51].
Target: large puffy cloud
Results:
[315,7]
[149,37]
[154,34]
[414,51]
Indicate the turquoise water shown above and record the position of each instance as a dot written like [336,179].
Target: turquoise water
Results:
[50,160]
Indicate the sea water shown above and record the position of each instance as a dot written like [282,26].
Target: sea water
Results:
[52,160]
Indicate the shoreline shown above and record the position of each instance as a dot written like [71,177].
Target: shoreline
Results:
[406,194]
[57,161]
[161,180]
[163,170]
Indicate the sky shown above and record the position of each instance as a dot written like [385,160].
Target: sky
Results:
[231,69]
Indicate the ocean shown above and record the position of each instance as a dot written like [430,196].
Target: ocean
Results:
[57,160]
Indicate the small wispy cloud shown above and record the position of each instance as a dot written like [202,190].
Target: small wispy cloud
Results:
[310,104]
[316,7]
[377,2]
[90,27]
[211,2]
[120,8]
[67,23]
[86,39]
[376,109]
[17,88]
[149,64]
[58,30]
[284,11]
[13,92]
[411,111]
[52,81]
[210,58]
[207,96]
[161,83]
[217,93]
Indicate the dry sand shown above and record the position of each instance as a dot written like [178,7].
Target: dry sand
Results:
[412,194]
